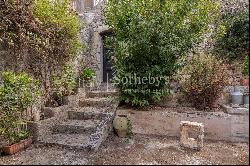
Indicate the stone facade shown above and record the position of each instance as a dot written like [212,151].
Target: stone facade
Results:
[92,36]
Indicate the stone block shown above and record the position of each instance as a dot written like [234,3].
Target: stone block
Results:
[191,135]
[71,101]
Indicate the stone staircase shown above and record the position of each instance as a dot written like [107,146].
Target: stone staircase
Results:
[87,123]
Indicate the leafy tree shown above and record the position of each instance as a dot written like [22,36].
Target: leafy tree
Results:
[150,37]
[234,44]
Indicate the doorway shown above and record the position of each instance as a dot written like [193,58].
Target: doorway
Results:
[108,72]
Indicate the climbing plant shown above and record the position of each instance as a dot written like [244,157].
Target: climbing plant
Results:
[42,34]
[150,37]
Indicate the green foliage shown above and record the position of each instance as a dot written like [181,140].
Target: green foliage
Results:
[65,83]
[62,24]
[150,36]
[245,70]
[18,91]
[130,128]
[87,75]
[43,33]
[204,81]
[234,44]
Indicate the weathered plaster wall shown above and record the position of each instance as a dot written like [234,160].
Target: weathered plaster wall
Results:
[218,125]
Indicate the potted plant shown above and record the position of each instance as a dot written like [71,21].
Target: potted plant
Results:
[19,140]
[245,71]
[17,92]
[87,75]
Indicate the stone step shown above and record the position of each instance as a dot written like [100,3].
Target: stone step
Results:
[86,113]
[76,126]
[103,87]
[75,141]
[101,94]
[95,102]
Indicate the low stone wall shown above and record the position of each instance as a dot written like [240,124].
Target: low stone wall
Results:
[218,125]
[44,127]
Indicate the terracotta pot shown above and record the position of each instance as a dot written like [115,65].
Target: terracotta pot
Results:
[12,149]
[120,125]
[244,82]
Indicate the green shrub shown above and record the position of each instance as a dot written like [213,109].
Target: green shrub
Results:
[87,75]
[18,91]
[149,39]
[64,83]
[63,25]
[47,32]
[205,80]
[234,44]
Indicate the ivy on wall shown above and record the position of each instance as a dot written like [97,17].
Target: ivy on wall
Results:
[42,34]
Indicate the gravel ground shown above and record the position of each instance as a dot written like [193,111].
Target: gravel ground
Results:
[141,150]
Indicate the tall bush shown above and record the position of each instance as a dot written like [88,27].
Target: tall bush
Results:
[42,34]
[150,36]
[18,91]
[204,81]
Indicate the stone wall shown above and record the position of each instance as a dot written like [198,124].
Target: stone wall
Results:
[41,129]
[92,35]
[233,127]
